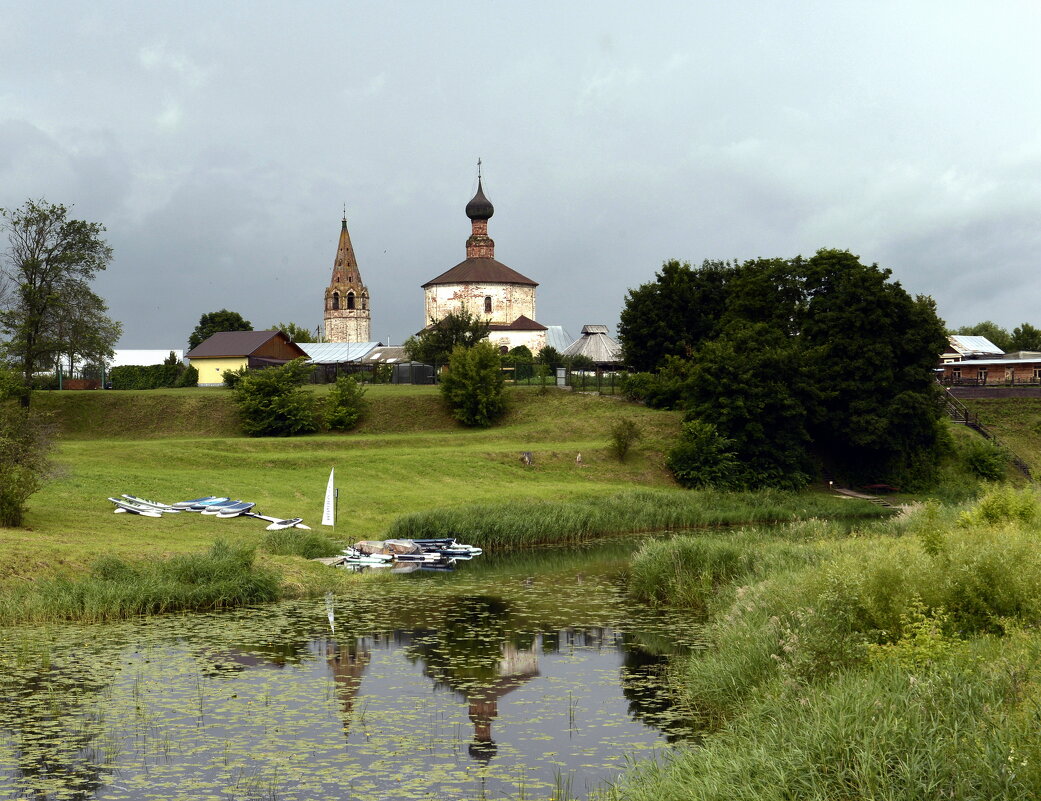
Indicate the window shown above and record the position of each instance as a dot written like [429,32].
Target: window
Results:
[350,300]
[982,375]
[956,373]
[487,304]
[336,301]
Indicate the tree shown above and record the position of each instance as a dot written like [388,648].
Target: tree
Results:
[550,357]
[435,343]
[49,257]
[750,384]
[871,349]
[671,315]
[213,322]
[1024,337]
[296,333]
[991,330]
[81,324]
[473,385]
[824,359]
[272,402]
[25,445]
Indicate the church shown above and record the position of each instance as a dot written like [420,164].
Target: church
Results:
[487,288]
[480,285]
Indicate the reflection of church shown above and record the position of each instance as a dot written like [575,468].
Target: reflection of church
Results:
[518,665]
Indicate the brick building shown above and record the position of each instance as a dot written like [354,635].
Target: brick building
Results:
[487,288]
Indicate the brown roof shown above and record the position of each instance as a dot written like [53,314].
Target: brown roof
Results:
[522,323]
[480,271]
[239,343]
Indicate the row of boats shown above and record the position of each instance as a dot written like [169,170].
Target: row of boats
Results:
[211,505]
[433,553]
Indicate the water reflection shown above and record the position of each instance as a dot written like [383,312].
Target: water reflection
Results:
[434,686]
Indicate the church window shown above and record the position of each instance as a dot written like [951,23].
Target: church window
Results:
[336,301]
[487,304]
[350,300]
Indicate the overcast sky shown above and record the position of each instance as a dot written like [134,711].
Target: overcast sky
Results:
[218,142]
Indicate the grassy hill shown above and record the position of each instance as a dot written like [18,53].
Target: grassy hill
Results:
[1016,422]
[408,456]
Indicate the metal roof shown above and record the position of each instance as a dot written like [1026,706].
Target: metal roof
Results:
[597,346]
[964,344]
[480,271]
[557,337]
[992,362]
[337,352]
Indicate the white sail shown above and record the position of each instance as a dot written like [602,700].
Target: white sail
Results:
[329,513]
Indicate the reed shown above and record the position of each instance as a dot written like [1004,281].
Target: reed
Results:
[518,524]
[115,589]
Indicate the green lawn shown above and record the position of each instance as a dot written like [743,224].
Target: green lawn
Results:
[408,456]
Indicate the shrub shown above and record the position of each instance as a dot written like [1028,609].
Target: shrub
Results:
[25,443]
[636,386]
[1003,504]
[702,458]
[346,404]
[473,385]
[986,459]
[624,434]
[231,378]
[189,378]
[272,403]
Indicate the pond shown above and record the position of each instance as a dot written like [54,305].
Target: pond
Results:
[515,676]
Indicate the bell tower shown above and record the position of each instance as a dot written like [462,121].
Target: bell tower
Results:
[347,314]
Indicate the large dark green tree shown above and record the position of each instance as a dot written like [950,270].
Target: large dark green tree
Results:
[671,315]
[435,343]
[214,322]
[871,349]
[49,264]
[802,364]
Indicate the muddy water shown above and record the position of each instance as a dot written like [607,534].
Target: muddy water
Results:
[526,675]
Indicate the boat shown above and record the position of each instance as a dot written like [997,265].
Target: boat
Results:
[297,522]
[199,503]
[162,507]
[217,508]
[122,504]
[234,510]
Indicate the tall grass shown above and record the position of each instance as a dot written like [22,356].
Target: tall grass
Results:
[902,662]
[306,544]
[516,524]
[965,728]
[116,589]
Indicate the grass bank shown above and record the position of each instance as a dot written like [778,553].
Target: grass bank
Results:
[900,662]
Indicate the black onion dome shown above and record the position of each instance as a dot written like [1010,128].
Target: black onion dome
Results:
[480,208]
